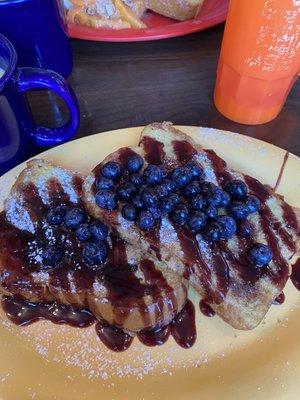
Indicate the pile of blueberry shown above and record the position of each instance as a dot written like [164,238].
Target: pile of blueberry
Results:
[148,194]
[91,235]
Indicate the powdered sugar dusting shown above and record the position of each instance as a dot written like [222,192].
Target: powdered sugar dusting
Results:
[65,179]
[208,167]
[17,214]
[81,348]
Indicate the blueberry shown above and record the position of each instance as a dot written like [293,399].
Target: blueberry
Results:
[245,229]
[126,191]
[137,202]
[83,232]
[106,199]
[56,215]
[196,221]
[207,188]
[74,217]
[149,197]
[146,220]
[155,212]
[161,190]
[52,256]
[170,185]
[253,203]
[129,212]
[153,174]
[104,183]
[196,171]
[137,179]
[213,232]
[175,198]
[94,254]
[166,206]
[236,188]
[181,176]
[191,189]
[225,199]
[179,214]
[215,197]
[198,202]
[99,231]
[238,210]
[135,163]
[228,226]
[260,254]
[211,212]
[112,170]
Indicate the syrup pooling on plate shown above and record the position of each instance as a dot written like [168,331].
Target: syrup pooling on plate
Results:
[68,273]
[24,313]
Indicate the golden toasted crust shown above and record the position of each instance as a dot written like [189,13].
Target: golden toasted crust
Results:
[246,303]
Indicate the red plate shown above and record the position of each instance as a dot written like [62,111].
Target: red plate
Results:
[212,13]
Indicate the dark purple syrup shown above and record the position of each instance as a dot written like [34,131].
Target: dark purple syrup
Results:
[113,338]
[23,313]
[279,299]
[206,309]
[154,337]
[183,327]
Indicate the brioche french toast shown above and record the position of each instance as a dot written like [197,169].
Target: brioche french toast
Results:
[231,236]
[51,250]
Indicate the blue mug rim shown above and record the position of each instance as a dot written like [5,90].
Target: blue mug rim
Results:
[9,1]
[12,62]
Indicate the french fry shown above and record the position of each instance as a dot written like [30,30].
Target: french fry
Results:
[128,15]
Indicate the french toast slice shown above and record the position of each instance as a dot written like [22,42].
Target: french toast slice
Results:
[129,288]
[238,290]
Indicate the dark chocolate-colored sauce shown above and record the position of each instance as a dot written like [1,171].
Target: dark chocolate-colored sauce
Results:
[113,338]
[219,166]
[279,299]
[295,276]
[154,150]
[184,151]
[285,159]
[183,327]
[155,337]
[206,309]
[24,313]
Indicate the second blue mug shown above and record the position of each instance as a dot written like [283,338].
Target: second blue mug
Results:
[19,136]
[38,31]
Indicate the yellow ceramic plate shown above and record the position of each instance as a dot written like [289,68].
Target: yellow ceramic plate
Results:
[46,361]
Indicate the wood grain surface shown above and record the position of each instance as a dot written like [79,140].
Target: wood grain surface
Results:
[129,84]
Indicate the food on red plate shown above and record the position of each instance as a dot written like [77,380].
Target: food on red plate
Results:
[122,14]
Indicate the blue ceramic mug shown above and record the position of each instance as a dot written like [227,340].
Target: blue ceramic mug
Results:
[19,136]
[38,32]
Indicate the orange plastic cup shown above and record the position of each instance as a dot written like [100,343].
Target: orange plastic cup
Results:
[259,60]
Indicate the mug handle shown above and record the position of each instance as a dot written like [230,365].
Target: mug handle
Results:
[35,78]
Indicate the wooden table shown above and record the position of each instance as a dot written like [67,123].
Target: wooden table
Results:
[131,84]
